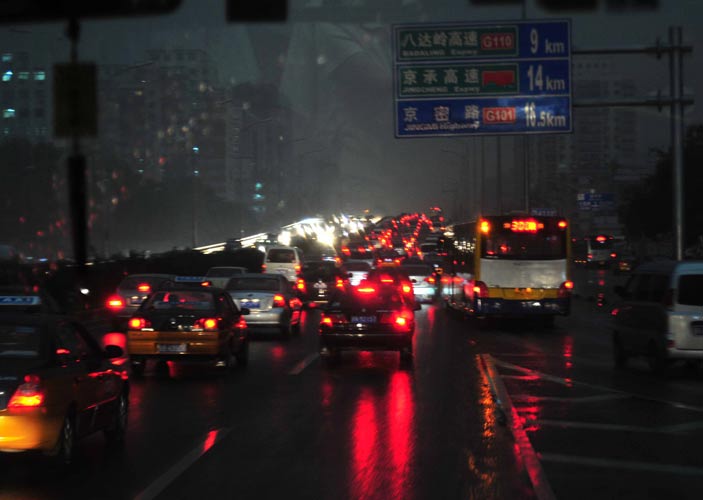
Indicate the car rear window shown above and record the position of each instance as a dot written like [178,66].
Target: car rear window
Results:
[181,299]
[254,284]
[131,283]
[357,266]
[691,290]
[223,273]
[20,341]
[281,256]
[417,270]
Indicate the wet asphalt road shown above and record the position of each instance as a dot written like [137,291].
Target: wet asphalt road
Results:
[288,426]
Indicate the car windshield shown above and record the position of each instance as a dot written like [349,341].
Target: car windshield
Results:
[417,270]
[223,272]
[254,284]
[357,266]
[20,341]
[281,256]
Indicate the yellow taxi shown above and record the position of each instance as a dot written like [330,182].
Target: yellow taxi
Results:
[57,385]
[188,324]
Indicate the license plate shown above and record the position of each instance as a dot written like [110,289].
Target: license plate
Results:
[320,286]
[136,301]
[363,319]
[250,304]
[697,330]
[171,348]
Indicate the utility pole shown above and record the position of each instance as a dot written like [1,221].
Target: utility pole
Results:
[676,68]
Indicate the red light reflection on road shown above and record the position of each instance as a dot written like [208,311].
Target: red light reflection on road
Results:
[431,318]
[210,440]
[278,353]
[327,389]
[568,352]
[401,412]
[365,448]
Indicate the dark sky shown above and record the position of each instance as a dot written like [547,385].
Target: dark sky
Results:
[420,165]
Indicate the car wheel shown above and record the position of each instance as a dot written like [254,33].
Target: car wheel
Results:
[242,354]
[656,359]
[117,430]
[64,453]
[138,367]
[619,353]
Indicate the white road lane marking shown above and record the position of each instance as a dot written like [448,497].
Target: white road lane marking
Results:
[566,399]
[162,482]
[540,484]
[621,464]
[302,365]
[571,382]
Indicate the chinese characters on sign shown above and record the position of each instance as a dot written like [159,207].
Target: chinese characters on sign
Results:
[482,79]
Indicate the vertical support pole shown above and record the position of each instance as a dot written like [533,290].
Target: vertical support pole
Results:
[676,91]
[482,197]
[499,177]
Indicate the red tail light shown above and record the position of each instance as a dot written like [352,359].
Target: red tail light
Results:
[366,289]
[115,303]
[332,319]
[279,301]
[144,288]
[139,323]
[241,324]
[206,283]
[340,283]
[28,394]
[401,320]
[480,290]
[565,289]
[613,255]
[406,288]
[590,255]
[263,268]
[300,285]
[297,268]
[430,280]
[346,251]
[207,324]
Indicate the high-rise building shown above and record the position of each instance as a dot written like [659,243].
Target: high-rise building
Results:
[24,97]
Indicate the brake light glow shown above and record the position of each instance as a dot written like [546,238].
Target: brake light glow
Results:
[297,268]
[340,283]
[206,283]
[613,255]
[28,394]
[430,280]
[263,268]
[139,323]
[562,224]
[241,324]
[346,251]
[565,289]
[326,320]
[407,288]
[601,239]
[401,321]
[366,289]
[208,324]
[279,301]
[115,303]
[480,289]
[144,287]
[485,227]
[300,285]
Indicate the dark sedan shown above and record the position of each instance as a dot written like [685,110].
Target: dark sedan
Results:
[319,280]
[369,317]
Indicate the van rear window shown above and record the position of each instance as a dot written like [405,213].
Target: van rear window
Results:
[281,256]
[691,290]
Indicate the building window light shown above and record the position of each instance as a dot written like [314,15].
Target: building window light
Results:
[7,58]
[23,75]
[8,113]
[7,76]
[40,76]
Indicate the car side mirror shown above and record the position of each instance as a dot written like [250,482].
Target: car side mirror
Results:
[113,351]
[245,311]
[413,280]
[350,275]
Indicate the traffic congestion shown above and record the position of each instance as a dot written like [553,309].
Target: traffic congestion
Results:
[214,355]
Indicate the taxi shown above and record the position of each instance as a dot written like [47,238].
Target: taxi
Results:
[187,323]
[57,384]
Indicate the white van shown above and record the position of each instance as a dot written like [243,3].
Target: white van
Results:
[660,315]
[287,261]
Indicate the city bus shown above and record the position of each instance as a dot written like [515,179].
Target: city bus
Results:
[509,266]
